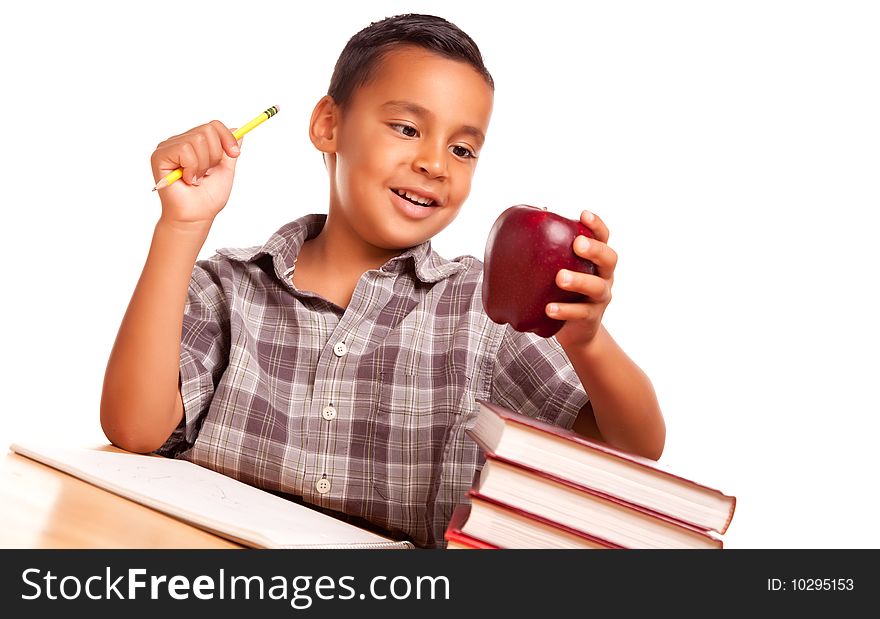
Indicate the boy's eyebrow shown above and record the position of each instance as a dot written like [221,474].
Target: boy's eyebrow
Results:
[418,110]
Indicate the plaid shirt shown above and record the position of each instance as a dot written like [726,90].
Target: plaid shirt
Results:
[357,411]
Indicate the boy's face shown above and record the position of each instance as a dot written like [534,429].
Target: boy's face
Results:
[416,128]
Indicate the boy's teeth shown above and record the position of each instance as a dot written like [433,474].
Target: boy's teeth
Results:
[415,198]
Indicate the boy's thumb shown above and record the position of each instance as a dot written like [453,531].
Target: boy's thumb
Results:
[233,148]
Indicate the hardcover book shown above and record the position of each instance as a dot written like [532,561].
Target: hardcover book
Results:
[565,455]
[456,539]
[502,526]
[585,509]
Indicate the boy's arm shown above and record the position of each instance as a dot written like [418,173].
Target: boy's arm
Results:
[141,403]
[622,400]
[623,410]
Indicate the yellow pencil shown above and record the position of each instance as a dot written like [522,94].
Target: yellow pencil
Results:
[173,176]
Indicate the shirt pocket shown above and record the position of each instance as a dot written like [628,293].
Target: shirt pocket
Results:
[416,412]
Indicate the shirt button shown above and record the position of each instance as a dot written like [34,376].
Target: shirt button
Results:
[329,412]
[340,349]
[323,485]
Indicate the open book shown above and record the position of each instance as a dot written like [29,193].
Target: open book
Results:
[207,499]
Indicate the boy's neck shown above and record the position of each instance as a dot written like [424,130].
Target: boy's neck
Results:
[340,251]
[332,263]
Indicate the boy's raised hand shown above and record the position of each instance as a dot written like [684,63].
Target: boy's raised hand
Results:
[583,320]
[207,156]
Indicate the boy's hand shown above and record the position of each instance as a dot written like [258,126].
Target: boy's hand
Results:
[584,319]
[207,155]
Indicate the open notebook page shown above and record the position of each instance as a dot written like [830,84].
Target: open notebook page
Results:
[207,499]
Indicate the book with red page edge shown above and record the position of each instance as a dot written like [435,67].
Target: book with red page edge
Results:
[511,527]
[454,534]
[583,508]
[630,477]
[467,543]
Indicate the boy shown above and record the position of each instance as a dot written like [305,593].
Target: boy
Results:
[339,363]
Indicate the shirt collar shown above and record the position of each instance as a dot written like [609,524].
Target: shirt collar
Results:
[284,245]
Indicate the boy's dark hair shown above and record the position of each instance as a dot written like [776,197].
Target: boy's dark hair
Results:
[357,62]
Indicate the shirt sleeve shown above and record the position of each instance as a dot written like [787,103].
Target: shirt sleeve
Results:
[533,375]
[204,353]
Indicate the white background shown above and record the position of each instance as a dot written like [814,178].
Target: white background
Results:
[732,148]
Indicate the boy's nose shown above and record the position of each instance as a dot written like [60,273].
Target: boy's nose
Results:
[431,160]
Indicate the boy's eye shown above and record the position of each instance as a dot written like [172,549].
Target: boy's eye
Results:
[461,151]
[406,130]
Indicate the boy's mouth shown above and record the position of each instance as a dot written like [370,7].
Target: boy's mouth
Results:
[414,198]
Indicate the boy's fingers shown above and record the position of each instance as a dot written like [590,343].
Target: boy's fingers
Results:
[596,252]
[593,286]
[197,152]
[215,149]
[189,163]
[573,311]
[208,148]
[596,225]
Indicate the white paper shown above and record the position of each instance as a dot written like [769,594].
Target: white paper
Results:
[206,499]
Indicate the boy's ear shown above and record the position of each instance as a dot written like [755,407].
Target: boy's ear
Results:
[322,129]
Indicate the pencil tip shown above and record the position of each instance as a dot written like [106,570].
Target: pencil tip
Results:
[153,189]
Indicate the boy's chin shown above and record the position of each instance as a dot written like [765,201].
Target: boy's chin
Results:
[388,228]
[391,235]
[402,242]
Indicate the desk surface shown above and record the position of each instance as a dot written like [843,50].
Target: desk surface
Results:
[45,508]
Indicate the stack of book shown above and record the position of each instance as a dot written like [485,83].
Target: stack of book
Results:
[546,487]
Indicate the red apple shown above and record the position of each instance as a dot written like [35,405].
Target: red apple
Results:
[525,250]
